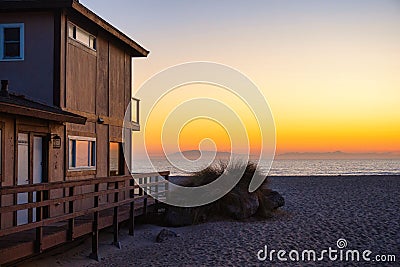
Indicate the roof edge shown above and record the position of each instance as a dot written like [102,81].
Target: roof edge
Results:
[136,49]
[86,12]
[61,117]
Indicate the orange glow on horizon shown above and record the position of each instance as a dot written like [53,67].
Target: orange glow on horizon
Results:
[302,131]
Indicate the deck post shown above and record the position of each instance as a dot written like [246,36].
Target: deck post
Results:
[95,229]
[140,186]
[115,219]
[71,222]
[156,193]
[39,230]
[145,199]
[132,207]
[166,177]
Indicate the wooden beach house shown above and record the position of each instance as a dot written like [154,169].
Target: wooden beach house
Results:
[66,81]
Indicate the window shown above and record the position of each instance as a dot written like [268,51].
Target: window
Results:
[135,110]
[116,159]
[81,36]
[12,42]
[82,153]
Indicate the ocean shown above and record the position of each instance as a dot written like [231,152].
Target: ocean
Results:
[314,167]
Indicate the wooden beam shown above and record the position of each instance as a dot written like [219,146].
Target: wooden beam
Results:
[95,230]
[132,209]
[115,218]
[59,185]
[9,108]
[71,222]
[91,117]
[52,220]
[39,230]
[57,59]
[58,201]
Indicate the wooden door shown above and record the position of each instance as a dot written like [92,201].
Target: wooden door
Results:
[30,148]
[23,175]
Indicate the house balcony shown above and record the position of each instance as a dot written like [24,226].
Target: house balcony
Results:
[135,112]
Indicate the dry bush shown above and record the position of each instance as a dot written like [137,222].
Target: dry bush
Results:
[217,209]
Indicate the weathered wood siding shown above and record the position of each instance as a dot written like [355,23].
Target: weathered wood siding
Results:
[8,129]
[97,84]
[102,88]
[38,56]
[81,78]
[11,126]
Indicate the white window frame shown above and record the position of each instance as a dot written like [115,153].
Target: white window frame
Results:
[21,27]
[93,155]
[90,36]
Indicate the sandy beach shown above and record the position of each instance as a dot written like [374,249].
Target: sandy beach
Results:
[362,210]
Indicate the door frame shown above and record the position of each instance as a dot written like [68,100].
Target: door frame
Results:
[45,155]
[45,166]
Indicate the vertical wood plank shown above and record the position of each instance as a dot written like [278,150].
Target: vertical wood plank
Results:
[132,208]
[95,229]
[144,191]
[115,218]
[71,222]
[39,230]
[156,193]
[140,186]
[166,177]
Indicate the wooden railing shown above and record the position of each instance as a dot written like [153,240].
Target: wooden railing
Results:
[135,110]
[119,191]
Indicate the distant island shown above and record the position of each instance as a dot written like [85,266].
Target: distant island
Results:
[338,155]
[195,154]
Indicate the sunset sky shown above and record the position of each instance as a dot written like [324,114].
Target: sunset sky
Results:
[330,70]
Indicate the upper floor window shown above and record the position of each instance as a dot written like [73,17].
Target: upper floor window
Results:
[81,36]
[82,153]
[12,42]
